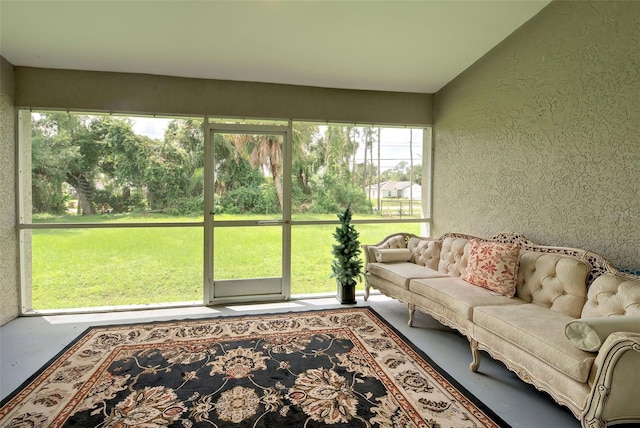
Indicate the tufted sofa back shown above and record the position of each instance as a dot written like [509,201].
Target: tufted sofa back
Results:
[612,295]
[555,281]
[424,252]
[453,256]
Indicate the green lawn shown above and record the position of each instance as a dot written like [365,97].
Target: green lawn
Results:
[124,266]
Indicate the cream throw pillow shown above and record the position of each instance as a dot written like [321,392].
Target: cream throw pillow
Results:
[589,334]
[390,255]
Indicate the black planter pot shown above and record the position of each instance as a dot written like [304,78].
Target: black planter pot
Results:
[346,294]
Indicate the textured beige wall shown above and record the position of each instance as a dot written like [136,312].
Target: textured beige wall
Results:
[143,93]
[9,300]
[542,135]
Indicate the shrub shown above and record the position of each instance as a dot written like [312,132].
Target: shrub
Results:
[188,205]
[112,201]
[331,195]
[242,200]
[48,198]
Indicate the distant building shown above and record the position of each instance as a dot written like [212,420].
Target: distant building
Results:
[395,189]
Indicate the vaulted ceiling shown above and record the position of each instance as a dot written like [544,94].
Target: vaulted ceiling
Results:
[388,45]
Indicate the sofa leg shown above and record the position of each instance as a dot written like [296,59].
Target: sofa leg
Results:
[475,355]
[366,292]
[412,310]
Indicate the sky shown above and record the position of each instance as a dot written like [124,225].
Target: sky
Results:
[152,127]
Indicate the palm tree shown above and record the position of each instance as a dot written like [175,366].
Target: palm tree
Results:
[266,152]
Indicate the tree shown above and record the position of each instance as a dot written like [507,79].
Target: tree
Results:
[240,186]
[264,151]
[339,151]
[50,160]
[187,136]
[86,151]
[369,137]
[174,177]
[305,160]
[165,178]
[403,171]
[123,155]
[352,147]
[73,155]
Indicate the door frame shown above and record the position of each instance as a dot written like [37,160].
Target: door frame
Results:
[209,171]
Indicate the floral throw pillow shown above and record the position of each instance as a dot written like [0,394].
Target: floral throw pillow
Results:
[494,266]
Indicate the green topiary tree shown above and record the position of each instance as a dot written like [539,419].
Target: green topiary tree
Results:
[347,265]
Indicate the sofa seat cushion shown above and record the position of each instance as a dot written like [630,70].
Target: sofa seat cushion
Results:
[539,331]
[402,272]
[458,295]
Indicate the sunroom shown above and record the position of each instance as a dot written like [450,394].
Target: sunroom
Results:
[533,129]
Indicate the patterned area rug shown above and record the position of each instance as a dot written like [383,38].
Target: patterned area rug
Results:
[338,368]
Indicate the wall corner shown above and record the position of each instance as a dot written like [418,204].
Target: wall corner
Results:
[10,280]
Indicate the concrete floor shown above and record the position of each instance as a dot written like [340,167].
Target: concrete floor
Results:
[27,343]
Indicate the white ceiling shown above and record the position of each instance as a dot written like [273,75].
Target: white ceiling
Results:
[389,45]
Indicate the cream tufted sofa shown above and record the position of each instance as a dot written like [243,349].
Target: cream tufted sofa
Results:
[572,329]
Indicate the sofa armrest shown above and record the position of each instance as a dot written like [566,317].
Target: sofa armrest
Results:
[369,255]
[396,240]
[615,382]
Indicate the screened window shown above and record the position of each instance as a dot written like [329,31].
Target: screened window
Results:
[112,210]
[377,170]
[380,172]
[113,207]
